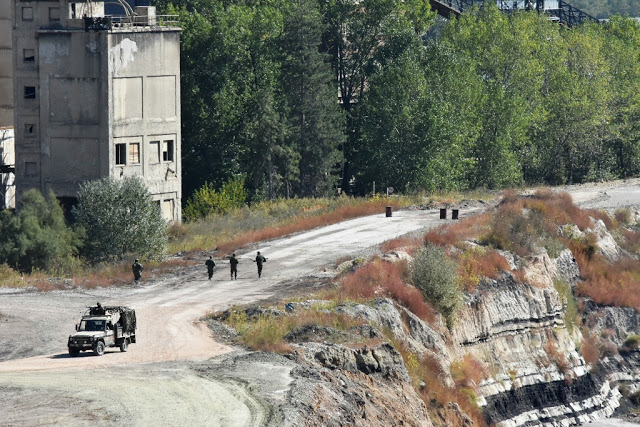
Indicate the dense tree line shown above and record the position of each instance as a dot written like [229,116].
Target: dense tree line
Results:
[495,100]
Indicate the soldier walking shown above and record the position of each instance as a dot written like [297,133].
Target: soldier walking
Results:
[210,264]
[259,260]
[233,262]
[137,270]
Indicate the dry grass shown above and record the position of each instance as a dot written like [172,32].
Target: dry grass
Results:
[468,372]
[555,356]
[616,284]
[454,234]
[476,263]
[410,244]
[384,279]
[307,223]
[435,393]
[589,349]
[266,333]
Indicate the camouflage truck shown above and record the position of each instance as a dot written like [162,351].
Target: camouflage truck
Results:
[102,327]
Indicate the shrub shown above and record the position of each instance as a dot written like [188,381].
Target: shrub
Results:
[36,236]
[477,263]
[381,278]
[623,216]
[207,200]
[589,349]
[435,275]
[120,219]
[632,342]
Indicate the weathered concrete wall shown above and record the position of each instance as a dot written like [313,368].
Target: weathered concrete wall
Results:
[144,71]
[73,121]
[6,64]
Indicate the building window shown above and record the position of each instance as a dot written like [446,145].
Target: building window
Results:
[134,154]
[121,152]
[29,129]
[27,14]
[30,168]
[29,92]
[54,14]
[154,152]
[28,55]
[167,151]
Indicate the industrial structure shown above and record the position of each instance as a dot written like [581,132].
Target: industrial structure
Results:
[96,96]
[556,10]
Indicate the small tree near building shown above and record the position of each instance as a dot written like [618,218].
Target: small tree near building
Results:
[36,236]
[120,219]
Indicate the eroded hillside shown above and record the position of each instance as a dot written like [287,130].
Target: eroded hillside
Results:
[540,326]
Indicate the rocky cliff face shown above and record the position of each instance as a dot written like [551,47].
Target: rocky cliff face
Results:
[532,372]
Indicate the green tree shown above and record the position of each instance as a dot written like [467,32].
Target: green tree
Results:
[36,235]
[120,219]
[316,121]
[361,36]
[207,200]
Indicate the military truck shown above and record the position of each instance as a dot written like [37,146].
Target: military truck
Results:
[102,327]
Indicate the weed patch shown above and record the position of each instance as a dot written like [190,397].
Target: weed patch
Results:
[384,279]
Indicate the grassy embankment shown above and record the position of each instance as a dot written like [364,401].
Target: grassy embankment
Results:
[520,225]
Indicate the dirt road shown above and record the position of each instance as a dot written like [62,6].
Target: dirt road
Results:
[35,326]
[175,374]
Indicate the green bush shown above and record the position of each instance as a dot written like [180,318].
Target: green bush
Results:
[36,235]
[632,342]
[437,278]
[207,200]
[120,219]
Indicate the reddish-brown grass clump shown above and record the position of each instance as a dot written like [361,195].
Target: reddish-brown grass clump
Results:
[384,279]
[407,243]
[616,284]
[476,264]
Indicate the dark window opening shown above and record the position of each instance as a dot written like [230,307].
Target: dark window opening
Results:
[29,92]
[29,55]
[30,168]
[167,151]
[121,154]
[54,14]
[27,14]
[29,128]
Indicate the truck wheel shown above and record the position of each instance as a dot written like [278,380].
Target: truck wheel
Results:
[124,346]
[73,351]
[98,348]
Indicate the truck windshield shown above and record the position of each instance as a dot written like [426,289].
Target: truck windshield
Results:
[91,325]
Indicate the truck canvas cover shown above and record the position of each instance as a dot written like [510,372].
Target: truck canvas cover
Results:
[127,315]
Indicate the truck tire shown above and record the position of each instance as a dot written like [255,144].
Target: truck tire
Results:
[98,348]
[73,351]
[125,345]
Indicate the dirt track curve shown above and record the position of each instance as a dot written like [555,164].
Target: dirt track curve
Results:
[167,377]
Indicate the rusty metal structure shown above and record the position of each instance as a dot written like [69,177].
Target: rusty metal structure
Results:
[556,10]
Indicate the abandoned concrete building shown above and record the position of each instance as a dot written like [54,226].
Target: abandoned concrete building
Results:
[96,96]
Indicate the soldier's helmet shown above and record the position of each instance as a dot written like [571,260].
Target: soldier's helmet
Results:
[136,260]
